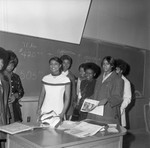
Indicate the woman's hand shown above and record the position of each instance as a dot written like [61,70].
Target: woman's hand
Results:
[102,102]
[91,108]
[11,99]
[61,116]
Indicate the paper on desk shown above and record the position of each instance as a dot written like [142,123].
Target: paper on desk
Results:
[67,125]
[84,129]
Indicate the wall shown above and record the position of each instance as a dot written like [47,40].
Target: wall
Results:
[119,21]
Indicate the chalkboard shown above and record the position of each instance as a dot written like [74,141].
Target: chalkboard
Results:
[34,54]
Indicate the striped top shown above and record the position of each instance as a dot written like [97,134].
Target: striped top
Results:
[54,88]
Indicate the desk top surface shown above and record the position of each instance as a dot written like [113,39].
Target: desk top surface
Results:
[54,138]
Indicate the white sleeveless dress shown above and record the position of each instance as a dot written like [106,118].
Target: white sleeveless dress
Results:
[54,97]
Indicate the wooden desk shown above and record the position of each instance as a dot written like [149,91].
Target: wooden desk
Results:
[50,138]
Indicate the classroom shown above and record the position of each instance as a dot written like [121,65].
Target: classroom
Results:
[94,29]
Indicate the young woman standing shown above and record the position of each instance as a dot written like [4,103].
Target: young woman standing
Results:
[109,91]
[55,92]
[66,66]
[16,88]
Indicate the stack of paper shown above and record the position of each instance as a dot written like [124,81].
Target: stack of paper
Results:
[112,128]
[67,124]
[84,129]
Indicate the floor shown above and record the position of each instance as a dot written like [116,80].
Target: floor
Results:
[136,139]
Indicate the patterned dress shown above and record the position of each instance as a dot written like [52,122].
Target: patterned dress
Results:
[16,88]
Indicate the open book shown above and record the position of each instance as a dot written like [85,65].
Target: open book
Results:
[91,106]
[15,128]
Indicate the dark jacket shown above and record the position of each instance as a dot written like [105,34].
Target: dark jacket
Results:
[72,78]
[4,109]
[111,89]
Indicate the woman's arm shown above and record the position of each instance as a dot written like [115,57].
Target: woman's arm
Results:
[73,94]
[20,89]
[126,96]
[41,99]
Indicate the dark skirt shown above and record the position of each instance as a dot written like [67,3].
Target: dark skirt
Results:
[17,111]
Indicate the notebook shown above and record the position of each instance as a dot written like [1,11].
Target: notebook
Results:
[15,128]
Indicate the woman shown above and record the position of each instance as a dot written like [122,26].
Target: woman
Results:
[121,68]
[81,77]
[66,65]
[16,88]
[55,94]
[87,87]
[109,91]
[4,93]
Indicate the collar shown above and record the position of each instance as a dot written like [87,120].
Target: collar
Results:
[65,73]
[105,77]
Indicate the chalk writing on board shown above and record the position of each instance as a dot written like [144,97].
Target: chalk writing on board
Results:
[86,58]
[29,45]
[30,75]
[50,54]
[62,52]
[29,50]
[91,59]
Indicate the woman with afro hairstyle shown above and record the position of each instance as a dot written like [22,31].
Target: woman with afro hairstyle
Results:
[66,65]
[16,88]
